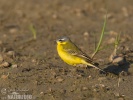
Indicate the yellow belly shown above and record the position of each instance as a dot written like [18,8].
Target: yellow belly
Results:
[69,59]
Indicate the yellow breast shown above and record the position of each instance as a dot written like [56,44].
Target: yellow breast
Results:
[68,58]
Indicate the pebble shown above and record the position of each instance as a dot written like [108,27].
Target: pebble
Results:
[60,79]
[34,60]
[86,34]
[78,12]
[41,93]
[89,76]
[119,60]
[54,16]
[14,66]
[84,88]
[111,40]
[5,64]
[109,16]
[117,94]
[13,30]
[11,53]
[5,76]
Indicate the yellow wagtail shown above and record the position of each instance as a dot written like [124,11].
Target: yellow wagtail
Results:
[72,55]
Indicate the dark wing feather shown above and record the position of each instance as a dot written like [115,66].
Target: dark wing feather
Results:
[77,52]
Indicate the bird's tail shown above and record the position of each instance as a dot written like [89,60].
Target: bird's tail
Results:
[92,65]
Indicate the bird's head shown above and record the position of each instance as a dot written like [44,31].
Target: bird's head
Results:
[63,40]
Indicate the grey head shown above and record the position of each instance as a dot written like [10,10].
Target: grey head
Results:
[63,39]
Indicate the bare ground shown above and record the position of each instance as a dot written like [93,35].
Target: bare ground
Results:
[33,67]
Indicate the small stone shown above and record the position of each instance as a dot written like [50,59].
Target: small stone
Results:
[60,79]
[34,60]
[111,40]
[89,76]
[86,34]
[109,16]
[102,85]
[41,93]
[13,30]
[117,94]
[79,12]
[119,60]
[5,76]
[123,95]
[78,75]
[84,88]
[5,64]
[50,89]
[95,90]
[11,53]
[54,16]
[14,66]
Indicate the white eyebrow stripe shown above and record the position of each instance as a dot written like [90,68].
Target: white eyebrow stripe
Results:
[62,39]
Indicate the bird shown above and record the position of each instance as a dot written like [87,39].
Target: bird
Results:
[72,54]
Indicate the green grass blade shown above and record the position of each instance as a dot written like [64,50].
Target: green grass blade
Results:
[101,38]
[33,31]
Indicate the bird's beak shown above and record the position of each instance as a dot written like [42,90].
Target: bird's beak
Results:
[57,40]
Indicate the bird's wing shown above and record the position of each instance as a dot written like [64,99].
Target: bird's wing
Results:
[75,51]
